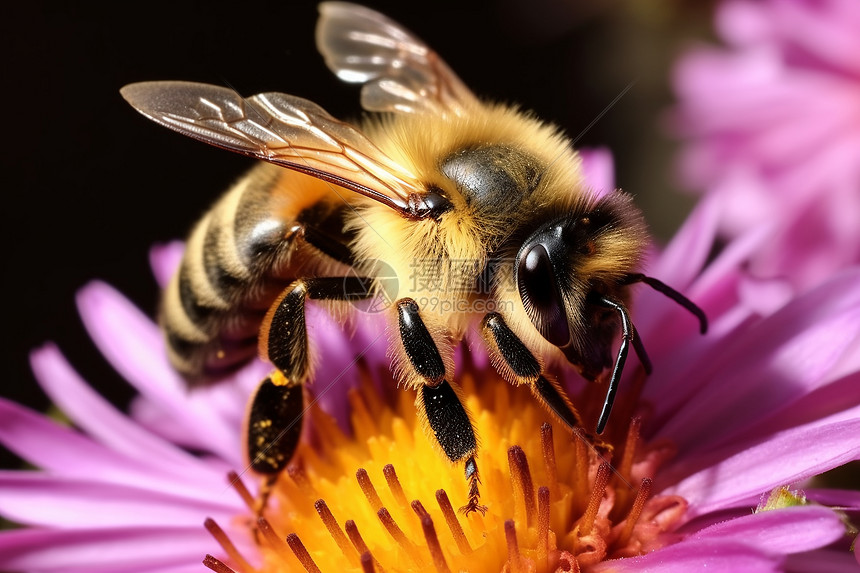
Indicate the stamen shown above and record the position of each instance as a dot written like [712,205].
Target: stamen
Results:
[394,486]
[360,545]
[224,541]
[515,564]
[302,554]
[367,562]
[624,490]
[297,474]
[453,522]
[363,422]
[630,444]
[216,565]
[635,511]
[397,534]
[355,536]
[336,532]
[543,526]
[326,430]
[549,457]
[368,489]
[586,522]
[579,475]
[430,536]
[236,483]
[272,538]
[522,481]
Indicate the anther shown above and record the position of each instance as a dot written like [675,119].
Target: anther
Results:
[515,564]
[336,532]
[418,508]
[522,481]
[543,526]
[394,485]
[549,457]
[215,530]
[586,522]
[368,489]
[215,565]
[236,483]
[453,522]
[635,511]
[272,538]
[302,554]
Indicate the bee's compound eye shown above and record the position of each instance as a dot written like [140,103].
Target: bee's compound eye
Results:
[541,296]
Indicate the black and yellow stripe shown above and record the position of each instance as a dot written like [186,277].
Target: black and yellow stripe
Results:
[244,252]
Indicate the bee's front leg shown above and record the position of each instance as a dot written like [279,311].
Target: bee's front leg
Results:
[274,420]
[515,362]
[437,400]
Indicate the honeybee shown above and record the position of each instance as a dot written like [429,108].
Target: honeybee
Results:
[478,211]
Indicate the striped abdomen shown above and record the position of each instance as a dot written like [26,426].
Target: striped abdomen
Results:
[255,241]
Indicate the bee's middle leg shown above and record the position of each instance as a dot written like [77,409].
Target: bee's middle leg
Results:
[438,401]
[274,421]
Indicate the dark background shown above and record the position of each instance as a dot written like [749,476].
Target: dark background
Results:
[90,185]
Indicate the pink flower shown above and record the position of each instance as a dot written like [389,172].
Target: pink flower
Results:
[772,124]
[759,403]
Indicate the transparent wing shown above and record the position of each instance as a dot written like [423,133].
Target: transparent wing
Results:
[282,129]
[400,72]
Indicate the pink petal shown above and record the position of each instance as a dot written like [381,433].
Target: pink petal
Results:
[784,531]
[822,403]
[134,346]
[112,550]
[840,560]
[93,414]
[61,450]
[714,556]
[743,543]
[164,260]
[846,499]
[36,498]
[684,256]
[48,445]
[785,356]
[598,169]
[789,457]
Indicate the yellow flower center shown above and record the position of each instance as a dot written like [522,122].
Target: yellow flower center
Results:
[383,499]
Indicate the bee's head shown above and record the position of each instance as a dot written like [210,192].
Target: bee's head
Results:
[579,254]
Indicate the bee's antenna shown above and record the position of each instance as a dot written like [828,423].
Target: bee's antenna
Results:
[662,287]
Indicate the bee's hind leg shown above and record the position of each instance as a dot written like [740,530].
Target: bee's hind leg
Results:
[438,401]
[274,419]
